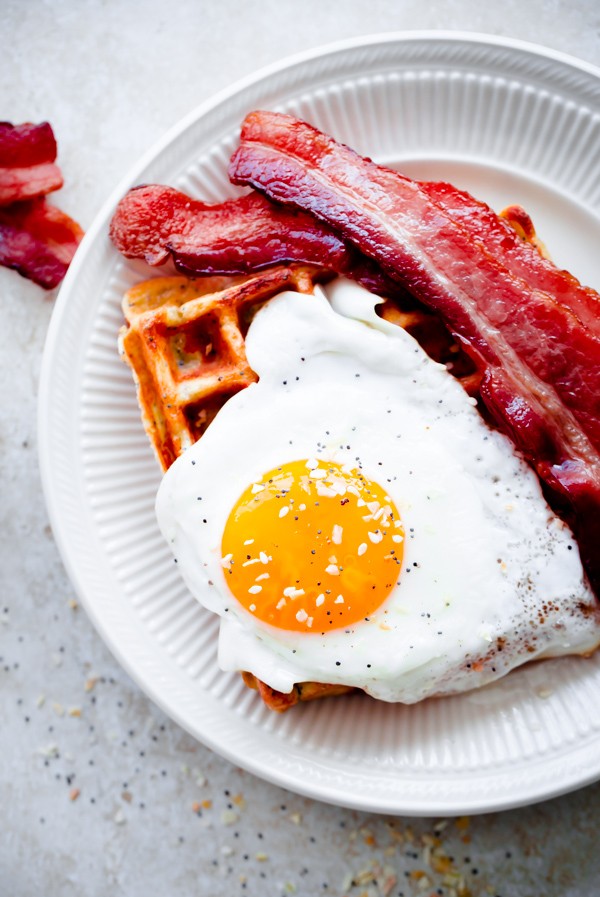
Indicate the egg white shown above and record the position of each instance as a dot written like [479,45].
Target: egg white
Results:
[490,578]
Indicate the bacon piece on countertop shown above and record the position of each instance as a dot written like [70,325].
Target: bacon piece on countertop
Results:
[38,241]
[540,361]
[239,236]
[27,162]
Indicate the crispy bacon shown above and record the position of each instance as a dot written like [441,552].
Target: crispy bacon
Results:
[38,241]
[504,241]
[530,327]
[239,236]
[27,162]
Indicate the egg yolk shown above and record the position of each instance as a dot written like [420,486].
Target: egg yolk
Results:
[312,546]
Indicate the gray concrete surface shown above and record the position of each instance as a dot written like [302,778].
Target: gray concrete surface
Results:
[100,793]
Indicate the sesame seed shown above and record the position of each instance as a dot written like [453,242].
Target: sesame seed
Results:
[291,592]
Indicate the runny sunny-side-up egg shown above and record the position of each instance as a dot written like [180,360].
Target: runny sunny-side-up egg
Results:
[353,520]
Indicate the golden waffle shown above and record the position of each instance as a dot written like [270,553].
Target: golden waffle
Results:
[184,341]
[522,224]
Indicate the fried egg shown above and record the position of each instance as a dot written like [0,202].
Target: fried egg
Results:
[352,519]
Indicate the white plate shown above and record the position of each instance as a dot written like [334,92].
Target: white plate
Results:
[511,122]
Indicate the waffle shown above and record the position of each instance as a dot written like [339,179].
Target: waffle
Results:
[184,341]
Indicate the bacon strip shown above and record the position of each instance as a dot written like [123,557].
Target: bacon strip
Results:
[503,242]
[27,162]
[38,241]
[541,361]
[240,236]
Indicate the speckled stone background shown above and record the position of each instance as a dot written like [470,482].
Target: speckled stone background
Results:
[100,793]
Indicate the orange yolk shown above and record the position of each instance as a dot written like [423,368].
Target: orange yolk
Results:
[313,546]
